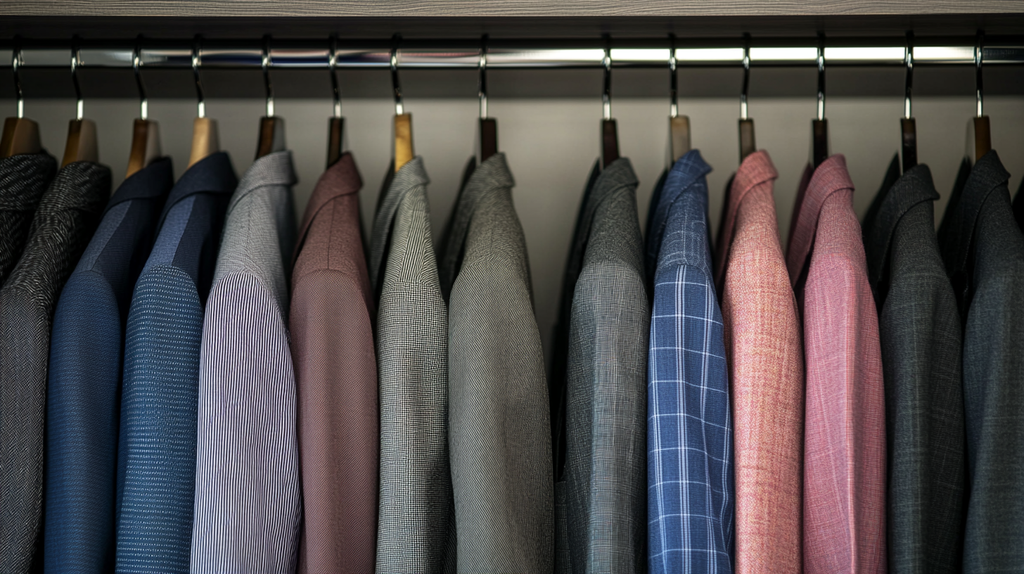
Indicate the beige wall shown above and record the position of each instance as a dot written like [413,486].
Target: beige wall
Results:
[552,141]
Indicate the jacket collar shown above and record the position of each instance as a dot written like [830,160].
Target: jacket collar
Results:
[399,184]
[150,182]
[830,177]
[756,169]
[212,174]
[270,170]
[340,180]
[687,171]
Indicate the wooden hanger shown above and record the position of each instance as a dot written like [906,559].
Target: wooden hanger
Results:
[336,126]
[20,135]
[205,140]
[488,127]
[271,138]
[746,124]
[81,144]
[609,132]
[403,121]
[145,133]
[979,125]
[908,127]
[678,126]
[819,126]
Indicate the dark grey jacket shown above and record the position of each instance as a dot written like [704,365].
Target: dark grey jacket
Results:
[23,179]
[920,336]
[984,254]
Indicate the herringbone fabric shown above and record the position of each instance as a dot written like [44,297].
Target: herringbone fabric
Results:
[67,216]
[983,250]
[844,429]
[84,393]
[605,399]
[248,506]
[416,517]
[690,496]
[336,377]
[766,373]
[23,179]
[159,406]
[499,432]
[921,342]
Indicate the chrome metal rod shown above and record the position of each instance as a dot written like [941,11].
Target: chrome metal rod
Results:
[519,54]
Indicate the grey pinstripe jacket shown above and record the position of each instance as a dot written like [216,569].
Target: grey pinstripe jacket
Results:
[415,531]
[247,460]
[498,415]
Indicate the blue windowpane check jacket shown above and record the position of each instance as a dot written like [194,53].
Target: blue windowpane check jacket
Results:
[85,376]
[689,431]
[157,450]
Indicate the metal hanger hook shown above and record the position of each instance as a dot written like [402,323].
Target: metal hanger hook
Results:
[909,61]
[399,106]
[197,62]
[821,77]
[332,62]
[673,108]
[75,61]
[979,50]
[16,62]
[483,77]
[746,77]
[606,94]
[266,76]
[137,68]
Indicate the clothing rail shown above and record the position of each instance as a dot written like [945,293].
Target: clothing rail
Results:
[515,54]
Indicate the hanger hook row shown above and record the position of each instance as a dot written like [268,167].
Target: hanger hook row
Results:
[75,61]
[606,94]
[979,50]
[673,109]
[197,62]
[265,64]
[746,77]
[137,68]
[332,62]
[483,77]
[821,76]
[16,61]
[396,40]
[909,61]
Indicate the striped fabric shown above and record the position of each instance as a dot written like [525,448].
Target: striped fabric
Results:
[248,507]
[336,378]
[86,359]
[689,427]
[844,429]
[157,446]
[415,531]
[67,216]
[23,179]
[498,418]
[766,373]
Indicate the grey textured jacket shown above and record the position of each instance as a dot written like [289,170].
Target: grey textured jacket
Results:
[984,254]
[606,396]
[23,179]
[920,337]
[498,416]
[68,215]
[247,458]
[415,531]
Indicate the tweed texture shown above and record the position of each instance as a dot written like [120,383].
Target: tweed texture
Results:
[984,254]
[606,396]
[766,373]
[67,216]
[159,405]
[247,460]
[844,428]
[416,516]
[23,180]
[690,496]
[331,319]
[499,432]
[920,336]
[84,389]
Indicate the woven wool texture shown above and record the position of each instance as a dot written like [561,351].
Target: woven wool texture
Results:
[68,213]
[844,430]
[766,374]
[23,180]
[332,313]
